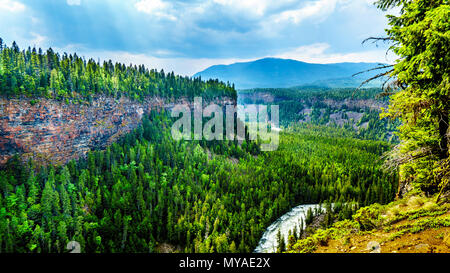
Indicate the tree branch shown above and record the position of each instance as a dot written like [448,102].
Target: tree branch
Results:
[377,39]
[374,78]
[372,69]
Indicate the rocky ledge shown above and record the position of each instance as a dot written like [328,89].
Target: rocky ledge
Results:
[55,132]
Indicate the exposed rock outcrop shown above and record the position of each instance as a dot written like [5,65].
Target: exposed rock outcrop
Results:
[55,132]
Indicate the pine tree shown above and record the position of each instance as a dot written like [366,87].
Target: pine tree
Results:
[281,244]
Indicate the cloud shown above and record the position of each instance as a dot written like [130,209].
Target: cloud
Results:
[38,39]
[11,6]
[73,2]
[319,53]
[257,7]
[150,6]
[156,7]
[318,9]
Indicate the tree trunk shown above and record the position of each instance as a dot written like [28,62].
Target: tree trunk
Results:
[443,128]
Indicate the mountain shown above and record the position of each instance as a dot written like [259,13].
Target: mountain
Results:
[279,73]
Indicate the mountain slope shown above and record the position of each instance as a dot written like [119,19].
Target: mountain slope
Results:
[274,73]
[413,224]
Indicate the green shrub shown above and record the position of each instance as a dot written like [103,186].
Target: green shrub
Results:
[367,218]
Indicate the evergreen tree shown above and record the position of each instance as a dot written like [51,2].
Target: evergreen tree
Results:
[420,100]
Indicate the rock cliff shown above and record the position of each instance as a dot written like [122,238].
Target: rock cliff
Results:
[55,132]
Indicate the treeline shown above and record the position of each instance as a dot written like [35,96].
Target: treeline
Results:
[34,73]
[321,93]
[147,189]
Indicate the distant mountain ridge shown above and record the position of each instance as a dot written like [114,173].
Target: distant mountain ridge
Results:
[282,73]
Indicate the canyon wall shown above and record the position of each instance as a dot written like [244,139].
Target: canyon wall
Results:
[55,132]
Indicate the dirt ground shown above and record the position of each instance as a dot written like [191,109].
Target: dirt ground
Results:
[431,240]
[428,241]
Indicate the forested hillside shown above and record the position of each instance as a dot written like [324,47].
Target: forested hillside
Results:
[355,110]
[34,73]
[148,190]
[149,193]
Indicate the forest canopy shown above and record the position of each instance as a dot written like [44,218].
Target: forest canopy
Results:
[34,73]
[199,196]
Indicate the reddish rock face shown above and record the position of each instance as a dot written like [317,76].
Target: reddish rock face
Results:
[55,132]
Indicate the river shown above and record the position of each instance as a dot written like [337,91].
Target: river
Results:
[268,242]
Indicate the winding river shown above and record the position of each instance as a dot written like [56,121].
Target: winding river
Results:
[268,242]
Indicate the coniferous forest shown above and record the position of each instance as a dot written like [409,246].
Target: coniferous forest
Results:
[357,152]
[33,73]
[147,189]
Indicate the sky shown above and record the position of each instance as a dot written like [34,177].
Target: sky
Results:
[187,36]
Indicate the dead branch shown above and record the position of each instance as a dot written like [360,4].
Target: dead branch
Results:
[394,158]
[374,40]
[372,69]
[374,78]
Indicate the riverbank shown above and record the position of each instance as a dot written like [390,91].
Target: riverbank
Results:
[268,242]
